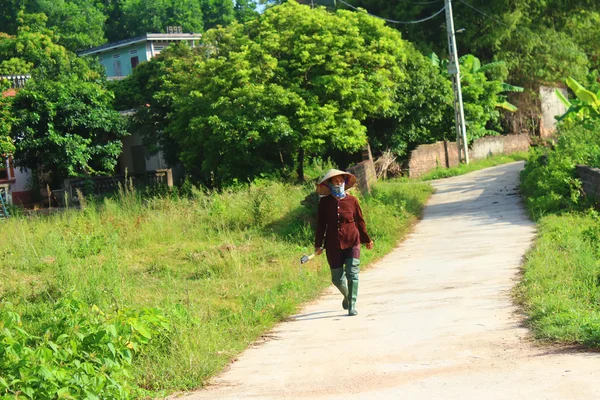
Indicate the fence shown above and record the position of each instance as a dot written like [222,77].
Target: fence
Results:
[103,185]
[16,81]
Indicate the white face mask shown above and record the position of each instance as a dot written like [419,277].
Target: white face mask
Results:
[338,190]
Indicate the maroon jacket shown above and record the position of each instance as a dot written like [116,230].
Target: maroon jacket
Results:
[341,223]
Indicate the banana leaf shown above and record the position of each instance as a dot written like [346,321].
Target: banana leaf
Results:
[588,97]
[506,87]
[491,65]
[507,106]
[574,85]
[435,60]
[562,98]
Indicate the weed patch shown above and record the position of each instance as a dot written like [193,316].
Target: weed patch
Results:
[217,268]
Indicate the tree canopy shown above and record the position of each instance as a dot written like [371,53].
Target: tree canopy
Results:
[80,24]
[541,40]
[260,95]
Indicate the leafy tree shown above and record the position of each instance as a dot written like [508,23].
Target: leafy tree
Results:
[6,119]
[130,18]
[77,24]
[33,45]
[483,90]
[538,38]
[296,81]
[66,127]
[245,10]
[9,22]
[218,12]
[422,112]
[63,120]
[584,108]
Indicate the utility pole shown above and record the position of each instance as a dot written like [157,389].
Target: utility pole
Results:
[454,71]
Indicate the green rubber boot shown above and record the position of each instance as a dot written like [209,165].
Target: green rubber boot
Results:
[338,279]
[352,276]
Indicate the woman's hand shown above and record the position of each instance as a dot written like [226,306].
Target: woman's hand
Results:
[370,245]
[318,251]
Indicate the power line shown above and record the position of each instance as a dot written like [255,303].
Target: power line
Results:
[481,12]
[394,21]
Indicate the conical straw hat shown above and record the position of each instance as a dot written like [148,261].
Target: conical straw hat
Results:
[324,190]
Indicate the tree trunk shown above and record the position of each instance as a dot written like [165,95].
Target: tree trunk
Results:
[300,168]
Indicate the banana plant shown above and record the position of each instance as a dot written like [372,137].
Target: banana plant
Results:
[471,64]
[584,107]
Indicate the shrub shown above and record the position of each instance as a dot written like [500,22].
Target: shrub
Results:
[80,351]
[549,182]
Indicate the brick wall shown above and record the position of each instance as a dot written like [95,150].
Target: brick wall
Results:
[430,156]
[590,177]
[365,175]
[427,157]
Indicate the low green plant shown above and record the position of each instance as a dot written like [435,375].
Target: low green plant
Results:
[560,288]
[549,181]
[78,352]
[584,108]
[222,265]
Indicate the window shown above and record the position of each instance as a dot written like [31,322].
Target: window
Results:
[134,62]
[116,55]
[133,51]
[117,68]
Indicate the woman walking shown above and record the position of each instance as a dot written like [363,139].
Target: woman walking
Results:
[341,224]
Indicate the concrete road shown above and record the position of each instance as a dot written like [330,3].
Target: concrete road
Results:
[436,320]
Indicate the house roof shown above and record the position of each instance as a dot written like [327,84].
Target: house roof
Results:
[168,37]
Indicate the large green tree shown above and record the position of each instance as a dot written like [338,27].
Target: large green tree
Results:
[6,119]
[66,127]
[539,39]
[77,24]
[294,82]
[63,121]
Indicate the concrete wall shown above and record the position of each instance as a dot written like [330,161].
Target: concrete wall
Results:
[131,144]
[551,107]
[590,177]
[365,175]
[428,157]
[21,180]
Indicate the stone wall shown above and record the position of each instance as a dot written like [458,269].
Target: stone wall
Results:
[365,175]
[590,177]
[427,157]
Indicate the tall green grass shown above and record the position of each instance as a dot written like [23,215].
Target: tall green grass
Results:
[222,266]
[560,289]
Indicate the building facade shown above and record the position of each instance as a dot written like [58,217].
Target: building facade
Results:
[119,60]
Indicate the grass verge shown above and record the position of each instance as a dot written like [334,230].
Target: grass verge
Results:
[221,267]
[560,289]
[462,169]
